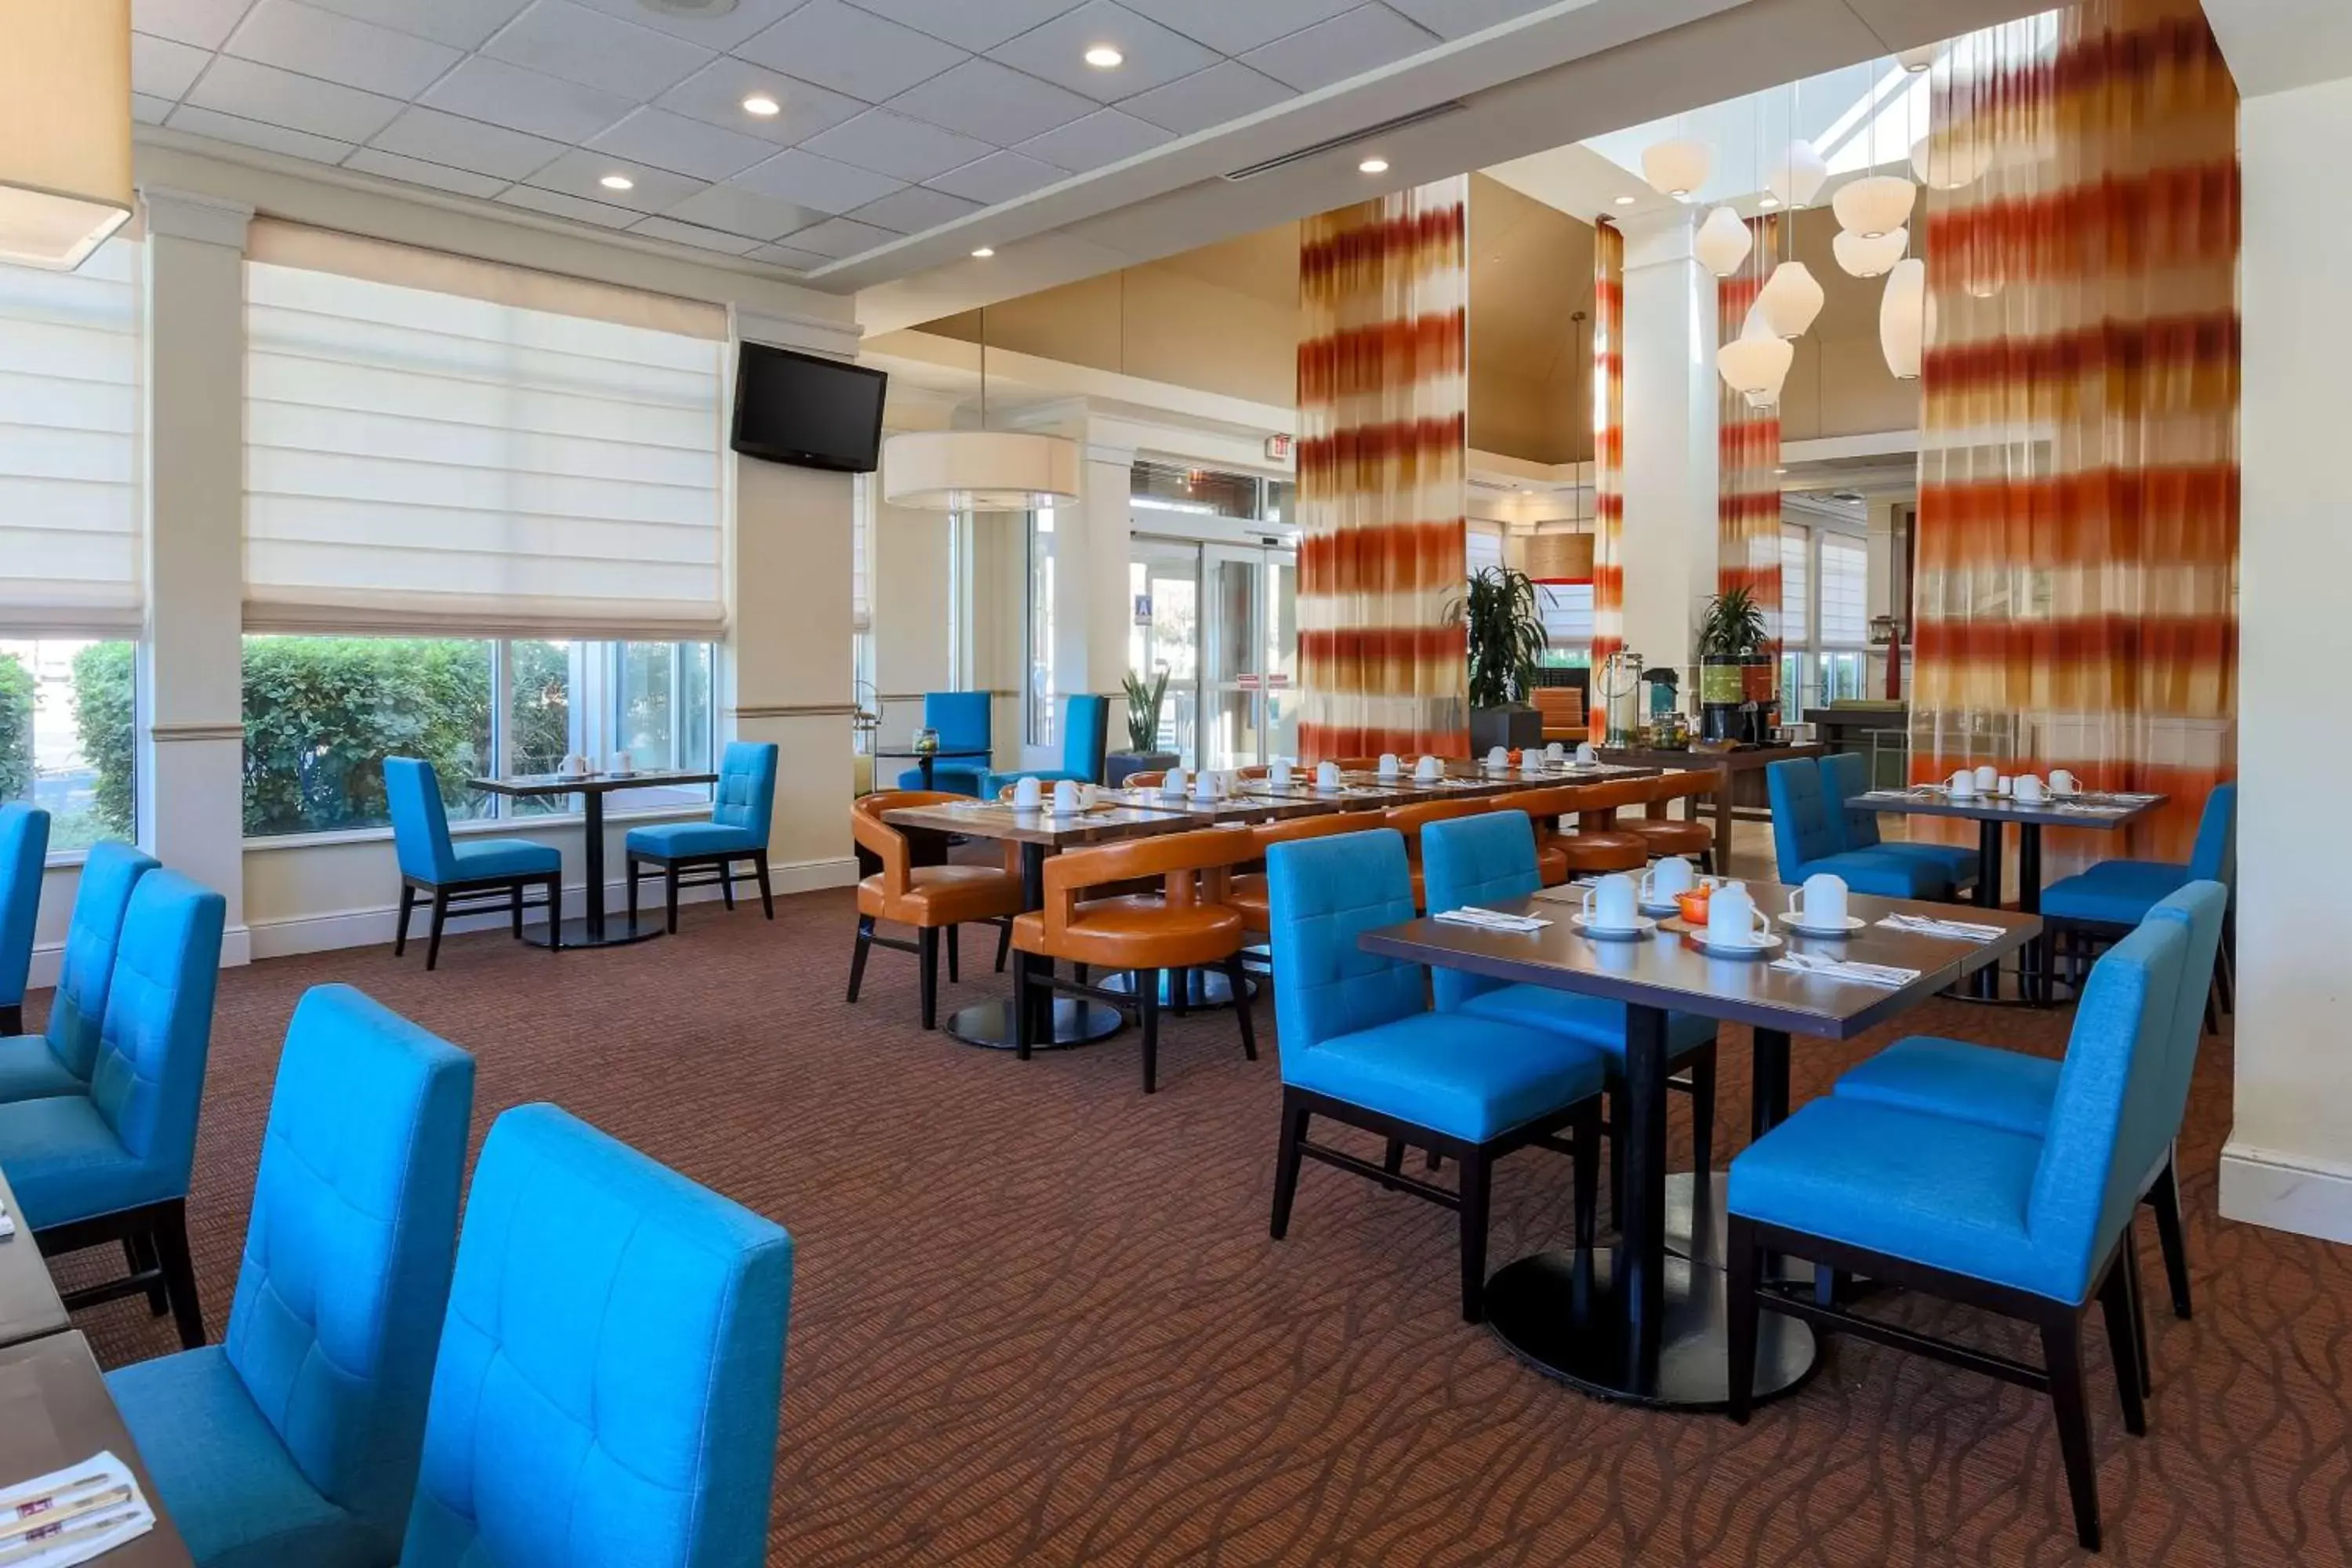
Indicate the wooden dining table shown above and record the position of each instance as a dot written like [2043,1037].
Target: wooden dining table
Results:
[1646,1321]
[30,1306]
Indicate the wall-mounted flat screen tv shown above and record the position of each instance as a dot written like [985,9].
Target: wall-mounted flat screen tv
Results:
[806,410]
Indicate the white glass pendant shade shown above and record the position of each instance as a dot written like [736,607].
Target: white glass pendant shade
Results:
[1860,257]
[1903,318]
[1756,363]
[1873,207]
[979,470]
[1797,175]
[1789,300]
[1723,242]
[1945,163]
[1676,168]
[1916,60]
[65,128]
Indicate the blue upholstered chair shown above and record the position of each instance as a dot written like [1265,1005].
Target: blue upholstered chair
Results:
[2031,1228]
[295,1440]
[2083,913]
[1480,859]
[1845,774]
[59,1060]
[965,721]
[742,808]
[2014,1091]
[111,1166]
[608,1384]
[1085,740]
[461,877]
[1809,837]
[1360,1045]
[23,856]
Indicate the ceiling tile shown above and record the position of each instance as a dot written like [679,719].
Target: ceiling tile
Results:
[895,144]
[298,102]
[417,172]
[1346,46]
[161,69]
[995,102]
[785,255]
[975,25]
[1056,52]
[203,23]
[849,50]
[819,183]
[460,24]
[339,48]
[467,144]
[597,50]
[732,209]
[1224,92]
[557,205]
[501,94]
[1460,18]
[253,133]
[146,108]
[840,237]
[715,95]
[1230,27]
[711,32]
[580,173]
[999,177]
[669,141]
[915,209]
[1106,136]
[701,239]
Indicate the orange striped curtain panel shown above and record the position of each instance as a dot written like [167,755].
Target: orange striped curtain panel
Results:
[2077,593]
[1608,441]
[1384,395]
[1747,455]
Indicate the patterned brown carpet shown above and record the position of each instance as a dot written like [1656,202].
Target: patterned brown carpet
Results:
[1038,1320]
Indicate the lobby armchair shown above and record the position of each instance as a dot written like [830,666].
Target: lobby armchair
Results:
[60,1058]
[964,719]
[1085,740]
[1598,845]
[906,881]
[461,877]
[24,858]
[742,807]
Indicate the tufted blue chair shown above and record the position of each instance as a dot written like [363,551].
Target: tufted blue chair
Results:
[1085,740]
[2029,1226]
[296,1440]
[1809,837]
[59,1060]
[111,1164]
[1491,857]
[24,856]
[2095,907]
[607,1390]
[1361,1047]
[1845,774]
[741,810]
[461,877]
[965,721]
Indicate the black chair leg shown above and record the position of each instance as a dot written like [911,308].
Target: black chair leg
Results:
[1742,1265]
[1180,990]
[2062,1352]
[433,936]
[633,895]
[1433,1160]
[1586,1161]
[1392,1158]
[400,932]
[555,914]
[169,1240]
[2138,1295]
[2164,1197]
[1240,982]
[955,958]
[1147,994]
[726,884]
[767,896]
[1004,945]
[1474,1194]
[514,910]
[926,942]
[857,953]
[1286,1156]
[669,893]
[2123,1342]
[139,1253]
[1701,1074]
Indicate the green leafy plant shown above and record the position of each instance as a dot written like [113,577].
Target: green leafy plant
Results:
[1143,710]
[15,728]
[1506,632]
[1733,626]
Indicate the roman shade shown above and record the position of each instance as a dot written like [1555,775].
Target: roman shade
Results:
[1845,590]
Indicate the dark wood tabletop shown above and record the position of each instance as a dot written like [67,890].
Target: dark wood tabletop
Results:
[909,754]
[2088,810]
[29,1304]
[1664,970]
[1106,823]
[55,1412]
[588,784]
[1742,759]
[1244,807]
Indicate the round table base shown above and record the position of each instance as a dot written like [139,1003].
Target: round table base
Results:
[1569,1323]
[1076,1022]
[619,931]
[1208,988]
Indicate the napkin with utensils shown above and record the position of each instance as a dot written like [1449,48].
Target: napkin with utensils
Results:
[1845,969]
[1490,919]
[73,1515]
[1957,931]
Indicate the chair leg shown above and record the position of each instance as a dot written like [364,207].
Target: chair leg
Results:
[1004,945]
[169,1240]
[767,896]
[2123,1342]
[1146,993]
[1474,1194]
[1240,982]
[1285,1167]
[927,944]
[633,864]
[1586,1161]
[514,910]
[726,884]
[1432,1161]
[1081,974]
[1741,1263]
[400,932]
[433,934]
[555,914]
[1180,990]
[955,958]
[669,893]
[1616,1124]
[1702,1072]
[2164,1197]
[139,1253]
[2138,1315]
[2062,1352]
[857,953]
[1393,1159]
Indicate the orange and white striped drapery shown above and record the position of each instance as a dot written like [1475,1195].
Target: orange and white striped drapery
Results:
[1608,441]
[2078,517]
[1384,395]
[1748,452]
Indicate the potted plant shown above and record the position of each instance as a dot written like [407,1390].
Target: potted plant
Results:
[1142,753]
[1506,640]
[1731,637]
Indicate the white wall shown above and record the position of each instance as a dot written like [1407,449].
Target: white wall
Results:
[2289,1159]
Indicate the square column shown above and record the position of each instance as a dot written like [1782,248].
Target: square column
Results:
[1668,548]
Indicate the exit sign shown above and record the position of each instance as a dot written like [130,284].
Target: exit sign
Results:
[1278,448]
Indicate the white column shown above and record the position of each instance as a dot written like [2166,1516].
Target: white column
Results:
[2288,1161]
[191,756]
[1669,544]
[1091,601]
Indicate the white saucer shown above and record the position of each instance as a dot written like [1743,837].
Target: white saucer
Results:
[1661,910]
[1852,923]
[1643,926]
[1755,949]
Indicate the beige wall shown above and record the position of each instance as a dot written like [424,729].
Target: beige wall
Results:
[1530,360]
[1839,384]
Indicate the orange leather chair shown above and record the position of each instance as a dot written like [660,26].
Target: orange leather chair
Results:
[1562,708]
[1410,820]
[1186,925]
[1150,779]
[1667,836]
[1246,890]
[909,884]
[1597,846]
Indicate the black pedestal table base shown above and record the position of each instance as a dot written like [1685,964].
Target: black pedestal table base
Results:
[1076,1022]
[618,930]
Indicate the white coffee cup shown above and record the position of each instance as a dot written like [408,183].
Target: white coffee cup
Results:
[2062,781]
[1204,785]
[1389,766]
[1666,879]
[1498,759]
[573,765]
[1171,783]
[1586,754]
[1026,794]
[2029,789]
[1611,903]
[1088,796]
[1327,776]
[1278,776]
[621,762]
[1820,904]
[1962,784]
[1732,918]
[1556,753]
[2003,785]
[1988,777]
[1066,796]
[1429,770]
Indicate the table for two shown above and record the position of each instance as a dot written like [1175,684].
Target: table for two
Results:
[593,928]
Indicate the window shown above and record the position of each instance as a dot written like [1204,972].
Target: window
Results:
[1040,701]
[1482,548]
[1796,591]
[321,713]
[1845,592]
[1566,610]
[67,736]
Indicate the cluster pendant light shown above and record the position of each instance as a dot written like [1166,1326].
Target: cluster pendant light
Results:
[1789,300]
[1799,175]
[1677,168]
[1756,362]
[1903,318]
[1723,242]
[1861,258]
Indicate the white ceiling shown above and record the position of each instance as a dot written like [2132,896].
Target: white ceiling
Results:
[899,116]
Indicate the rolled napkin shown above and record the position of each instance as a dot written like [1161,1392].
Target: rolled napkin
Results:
[1845,969]
[1959,931]
[1490,919]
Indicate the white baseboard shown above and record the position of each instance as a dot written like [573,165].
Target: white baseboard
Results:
[2286,1191]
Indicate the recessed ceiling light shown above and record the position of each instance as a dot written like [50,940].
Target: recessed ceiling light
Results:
[1374,166]
[1625,201]
[762,104]
[982,254]
[617,182]
[1102,57]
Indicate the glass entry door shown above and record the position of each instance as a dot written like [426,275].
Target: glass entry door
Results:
[1249,655]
